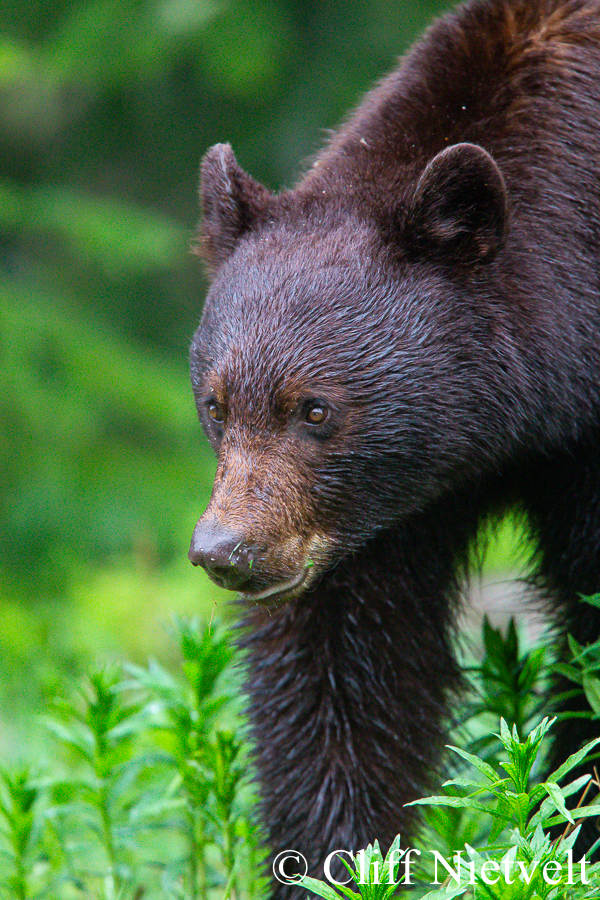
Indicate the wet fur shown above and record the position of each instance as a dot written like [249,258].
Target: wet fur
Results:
[349,684]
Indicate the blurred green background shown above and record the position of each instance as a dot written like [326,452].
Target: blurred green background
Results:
[105,109]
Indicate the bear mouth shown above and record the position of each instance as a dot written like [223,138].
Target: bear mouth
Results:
[282,590]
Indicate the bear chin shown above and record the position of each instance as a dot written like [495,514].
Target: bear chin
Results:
[283,591]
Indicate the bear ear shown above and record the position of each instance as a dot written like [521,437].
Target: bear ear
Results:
[232,202]
[459,206]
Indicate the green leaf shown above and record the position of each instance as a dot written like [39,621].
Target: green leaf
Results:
[505,735]
[547,807]
[591,687]
[584,812]
[574,760]
[503,810]
[322,889]
[456,803]
[466,783]
[574,646]
[446,892]
[80,741]
[570,672]
[556,795]
[479,764]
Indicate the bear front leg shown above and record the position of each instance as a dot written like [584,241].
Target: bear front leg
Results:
[348,688]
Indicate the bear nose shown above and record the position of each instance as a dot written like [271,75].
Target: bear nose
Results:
[222,553]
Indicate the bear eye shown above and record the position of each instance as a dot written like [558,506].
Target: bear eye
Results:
[214,411]
[316,414]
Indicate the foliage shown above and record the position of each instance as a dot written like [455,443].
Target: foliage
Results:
[375,877]
[503,815]
[521,815]
[509,679]
[583,670]
[150,794]
[152,799]
[519,859]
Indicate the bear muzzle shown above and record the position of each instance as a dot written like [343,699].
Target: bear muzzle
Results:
[257,574]
[224,555]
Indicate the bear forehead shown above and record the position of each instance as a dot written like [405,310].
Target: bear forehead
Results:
[286,269]
[301,293]
[288,317]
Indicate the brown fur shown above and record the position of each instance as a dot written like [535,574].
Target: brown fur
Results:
[433,284]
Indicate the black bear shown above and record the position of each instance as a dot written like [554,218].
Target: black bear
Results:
[402,345]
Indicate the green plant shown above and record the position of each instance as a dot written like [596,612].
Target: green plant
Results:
[99,727]
[150,795]
[510,684]
[375,877]
[522,814]
[520,859]
[582,670]
[207,766]
[23,830]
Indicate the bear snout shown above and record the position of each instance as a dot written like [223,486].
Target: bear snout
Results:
[223,554]
[281,571]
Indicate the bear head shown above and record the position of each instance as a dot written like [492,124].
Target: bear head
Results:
[342,360]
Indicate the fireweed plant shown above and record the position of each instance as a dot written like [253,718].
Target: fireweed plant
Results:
[149,795]
[520,859]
